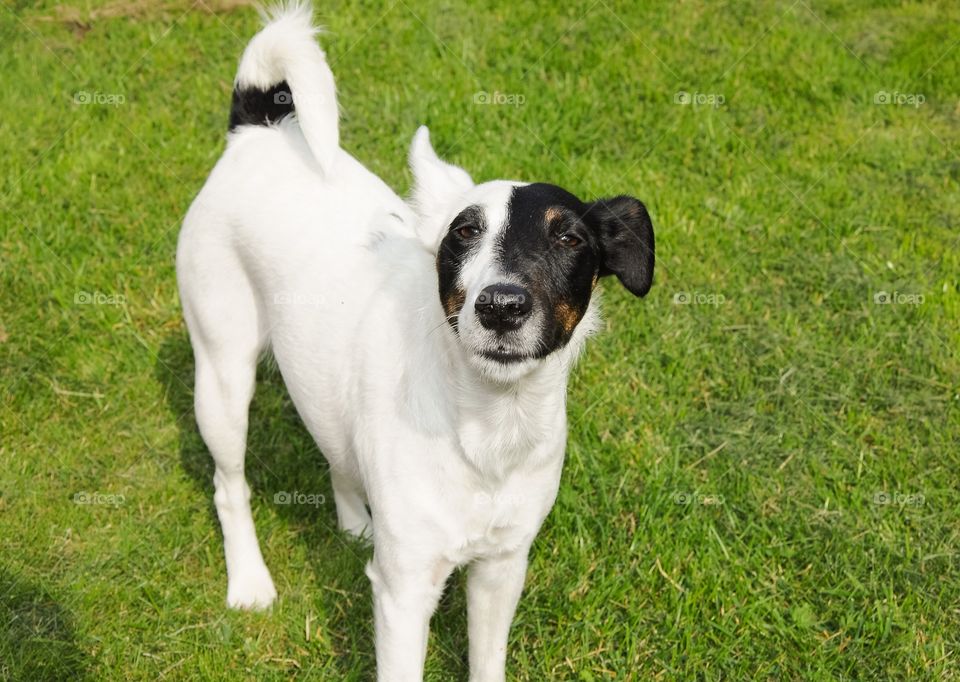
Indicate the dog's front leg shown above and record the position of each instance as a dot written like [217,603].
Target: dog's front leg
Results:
[493,589]
[404,598]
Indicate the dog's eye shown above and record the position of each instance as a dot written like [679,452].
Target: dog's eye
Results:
[569,240]
[468,232]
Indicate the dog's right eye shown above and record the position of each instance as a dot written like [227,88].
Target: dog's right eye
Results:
[468,231]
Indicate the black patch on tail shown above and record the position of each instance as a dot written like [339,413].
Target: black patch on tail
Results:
[253,106]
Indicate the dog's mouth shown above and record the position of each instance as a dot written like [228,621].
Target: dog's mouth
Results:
[503,354]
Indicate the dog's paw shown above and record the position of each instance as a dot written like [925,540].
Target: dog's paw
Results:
[353,518]
[362,531]
[251,591]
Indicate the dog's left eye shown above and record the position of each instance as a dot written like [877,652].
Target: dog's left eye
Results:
[569,240]
[468,232]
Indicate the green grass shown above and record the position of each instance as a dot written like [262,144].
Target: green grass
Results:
[776,405]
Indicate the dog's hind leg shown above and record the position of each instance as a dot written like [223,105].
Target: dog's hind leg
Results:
[352,514]
[223,393]
[225,330]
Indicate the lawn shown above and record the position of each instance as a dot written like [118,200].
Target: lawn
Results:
[763,469]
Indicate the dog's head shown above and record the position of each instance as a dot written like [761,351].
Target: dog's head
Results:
[517,263]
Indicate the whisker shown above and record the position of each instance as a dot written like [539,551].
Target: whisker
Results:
[446,320]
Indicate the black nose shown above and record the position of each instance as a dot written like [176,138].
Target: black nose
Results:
[503,307]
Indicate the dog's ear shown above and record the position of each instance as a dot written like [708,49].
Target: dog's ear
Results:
[625,235]
[436,187]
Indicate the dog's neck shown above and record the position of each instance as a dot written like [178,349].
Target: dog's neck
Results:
[504,425]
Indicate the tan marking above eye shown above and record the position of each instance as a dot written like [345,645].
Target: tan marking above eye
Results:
[553,214]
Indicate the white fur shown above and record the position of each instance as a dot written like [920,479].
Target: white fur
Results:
[292,244]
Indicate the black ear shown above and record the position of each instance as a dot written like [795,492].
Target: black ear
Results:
[625,235]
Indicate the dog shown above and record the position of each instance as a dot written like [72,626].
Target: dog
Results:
[425,343]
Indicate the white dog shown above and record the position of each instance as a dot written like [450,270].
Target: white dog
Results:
[426,347]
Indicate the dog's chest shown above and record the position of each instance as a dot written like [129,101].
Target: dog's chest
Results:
[498,522]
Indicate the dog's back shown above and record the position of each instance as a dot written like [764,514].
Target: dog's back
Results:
[292,240]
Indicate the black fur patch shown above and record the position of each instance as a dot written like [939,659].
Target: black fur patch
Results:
[454,250]
[558,246]
[253,106]
[559,275]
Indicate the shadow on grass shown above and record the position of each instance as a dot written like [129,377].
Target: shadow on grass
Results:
[282,457]
[36,635]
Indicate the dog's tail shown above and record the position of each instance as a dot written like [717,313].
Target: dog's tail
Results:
[282,71]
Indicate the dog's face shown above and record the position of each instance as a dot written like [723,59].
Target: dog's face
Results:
[517,263]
